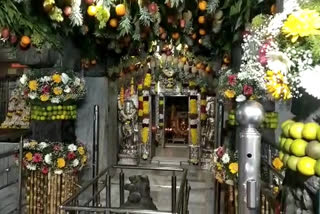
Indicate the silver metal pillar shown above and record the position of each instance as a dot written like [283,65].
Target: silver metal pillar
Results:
[249,115]
[95,154]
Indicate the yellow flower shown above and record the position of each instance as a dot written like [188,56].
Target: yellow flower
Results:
[33,144]
[81,150]
[56,78]
[145,135]
[29,156]
[44,97]
[277,163]
[57,90]
[233,167]
[140,113]
[194,136]
[61,163]
[302,23]
[147,80]
[84,159]
[275,190]
[276,85]
[230,93]
[33,85]
[219,166]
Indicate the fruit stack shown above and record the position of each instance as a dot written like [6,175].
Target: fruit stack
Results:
[300,147]
[270,121]
[54,112]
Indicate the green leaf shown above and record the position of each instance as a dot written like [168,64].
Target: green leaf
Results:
[226,4]
[236,8]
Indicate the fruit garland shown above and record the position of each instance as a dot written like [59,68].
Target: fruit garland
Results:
[54,112]
[270,121]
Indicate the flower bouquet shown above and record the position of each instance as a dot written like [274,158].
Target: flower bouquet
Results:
[57,158]
[281,53]
[55,88]
[225,165]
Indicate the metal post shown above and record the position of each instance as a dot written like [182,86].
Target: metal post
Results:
[20,176]
[108,190]
[173,192]
[185,206]
[121,187]
[249,115]
[95,153]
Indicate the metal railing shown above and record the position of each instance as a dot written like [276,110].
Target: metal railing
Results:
[93,204]
[19,180]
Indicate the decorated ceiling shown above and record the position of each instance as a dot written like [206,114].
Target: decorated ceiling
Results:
[127,27]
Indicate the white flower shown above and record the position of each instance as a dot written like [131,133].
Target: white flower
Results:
[55,100]
[58,171]
[77,81]
[23,80]
[67,89]
[278,61]
[240,98]
[72,148]
[65,78]
[32,95]
[75,163]
[26,145]
[225,158]
[31,167]
[43,145]
[48,158]
[45,79]
[309,80]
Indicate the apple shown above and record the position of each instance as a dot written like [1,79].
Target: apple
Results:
[309,131]
[298,147]
[306,166]
[295,130]
[287,145]
[292,162]
[313,150]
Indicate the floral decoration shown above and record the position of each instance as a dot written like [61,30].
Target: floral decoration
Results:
[58,87]
[281,53]
[53,157]
[225,165]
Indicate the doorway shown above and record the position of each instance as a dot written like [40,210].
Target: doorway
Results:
[176,131]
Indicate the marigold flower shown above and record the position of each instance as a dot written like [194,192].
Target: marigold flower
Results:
[56,78]
[230,94]
[57,91]
[233,167]
[302,23]
[28,156]
[277,163]
[81,150]
[33,85]
[145,135]
[61,163]
[44,97]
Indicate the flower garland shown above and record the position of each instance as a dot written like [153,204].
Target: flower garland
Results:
[203,104]
[58,87]
[53,157]
[225,165]
[140,99]
[161,113]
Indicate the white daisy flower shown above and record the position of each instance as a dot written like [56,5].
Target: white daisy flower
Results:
[72,148]
[225,158]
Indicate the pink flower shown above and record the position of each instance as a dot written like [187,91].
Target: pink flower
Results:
[46,89]
[263,53]
[247,90]
[37,157]
[232,80]
[220,152]
[45,170]
[56,148]
[71,156]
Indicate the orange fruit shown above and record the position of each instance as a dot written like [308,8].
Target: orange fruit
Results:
[194,36]
[202,32]
[113,22]
[25,41]
[92,10]
[175,35]
[202,5]
[208,69]
[120,10]
[201,19]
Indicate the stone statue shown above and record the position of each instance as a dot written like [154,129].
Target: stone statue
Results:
[208,134]
[129,130]
[139,194]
